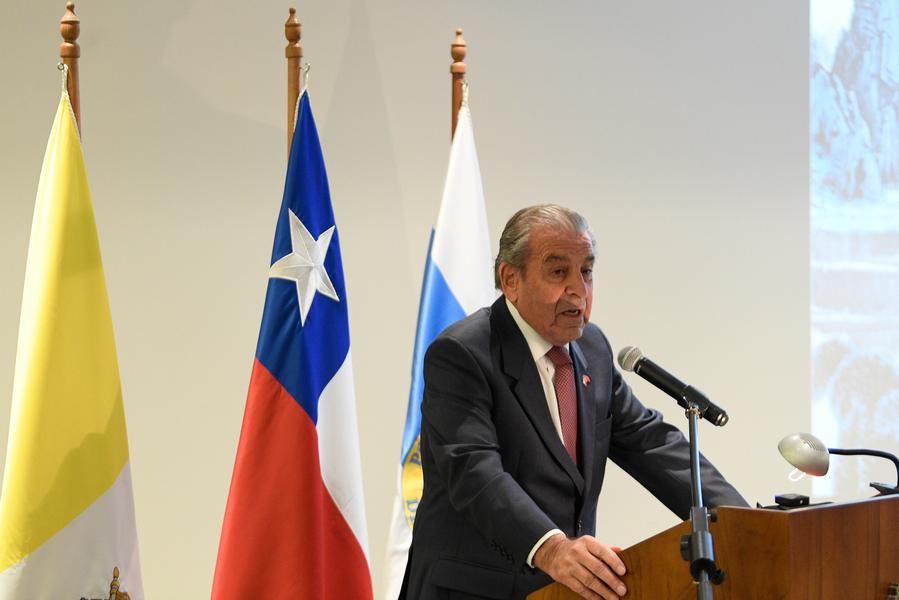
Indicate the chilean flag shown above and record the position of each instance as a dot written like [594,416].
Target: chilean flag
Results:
[295,524]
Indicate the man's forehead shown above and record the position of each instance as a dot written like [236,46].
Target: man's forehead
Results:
[554,245]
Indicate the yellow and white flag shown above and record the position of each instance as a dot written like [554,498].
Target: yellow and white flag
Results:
[67,527]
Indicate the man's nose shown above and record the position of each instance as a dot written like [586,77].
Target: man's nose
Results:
[576,285]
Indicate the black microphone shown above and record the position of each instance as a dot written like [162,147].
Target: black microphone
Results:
[632,359]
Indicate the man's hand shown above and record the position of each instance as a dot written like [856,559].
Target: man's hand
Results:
[584,565]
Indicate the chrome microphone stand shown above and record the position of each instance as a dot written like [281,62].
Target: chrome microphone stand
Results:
[697,548]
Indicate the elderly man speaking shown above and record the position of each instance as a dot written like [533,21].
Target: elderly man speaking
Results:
[522,407]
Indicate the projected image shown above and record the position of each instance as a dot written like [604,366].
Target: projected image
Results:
[854,159]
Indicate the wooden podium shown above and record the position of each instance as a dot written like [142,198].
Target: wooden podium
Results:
[833,551]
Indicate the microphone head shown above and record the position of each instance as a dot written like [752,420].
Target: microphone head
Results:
[629,357]
[805,452]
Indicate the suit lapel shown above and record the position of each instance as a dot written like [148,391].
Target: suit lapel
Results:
[518,364]
[586,412]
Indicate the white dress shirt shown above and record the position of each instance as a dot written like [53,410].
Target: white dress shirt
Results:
[547,370]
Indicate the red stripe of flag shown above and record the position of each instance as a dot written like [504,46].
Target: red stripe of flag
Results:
[283,536]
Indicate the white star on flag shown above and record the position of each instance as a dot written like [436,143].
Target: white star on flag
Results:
[305,266]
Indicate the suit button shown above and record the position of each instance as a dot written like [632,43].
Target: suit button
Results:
[579,525]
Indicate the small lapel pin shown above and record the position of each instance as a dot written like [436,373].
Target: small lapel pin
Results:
[586,380]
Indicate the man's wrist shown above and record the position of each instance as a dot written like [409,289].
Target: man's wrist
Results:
[544,546]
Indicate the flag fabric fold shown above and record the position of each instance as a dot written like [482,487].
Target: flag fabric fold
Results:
[67,525]
[294,524]
[458,280]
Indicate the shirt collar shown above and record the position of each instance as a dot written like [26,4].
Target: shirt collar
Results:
[536,344]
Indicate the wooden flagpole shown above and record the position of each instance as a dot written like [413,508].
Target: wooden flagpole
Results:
[457,70]
[69,52]
[294,54]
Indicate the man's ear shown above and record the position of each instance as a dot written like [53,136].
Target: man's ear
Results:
[509,280]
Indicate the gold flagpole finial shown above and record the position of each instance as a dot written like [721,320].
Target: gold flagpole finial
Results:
[70,52]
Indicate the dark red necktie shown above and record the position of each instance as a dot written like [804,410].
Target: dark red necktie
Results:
[566,396]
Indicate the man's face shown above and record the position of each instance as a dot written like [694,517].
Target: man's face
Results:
[554,290]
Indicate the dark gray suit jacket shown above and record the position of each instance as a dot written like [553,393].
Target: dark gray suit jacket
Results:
[496,474]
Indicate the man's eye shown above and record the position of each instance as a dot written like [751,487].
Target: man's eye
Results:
[588,273]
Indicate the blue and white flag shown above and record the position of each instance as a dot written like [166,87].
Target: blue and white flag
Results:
[458,281]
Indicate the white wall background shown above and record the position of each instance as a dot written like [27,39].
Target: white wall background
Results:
[679,129]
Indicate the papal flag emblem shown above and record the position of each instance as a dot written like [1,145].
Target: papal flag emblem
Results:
[114,592]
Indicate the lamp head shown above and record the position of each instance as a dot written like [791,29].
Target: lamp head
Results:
[805,452]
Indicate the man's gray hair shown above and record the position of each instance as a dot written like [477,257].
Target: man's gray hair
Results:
[513,243]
